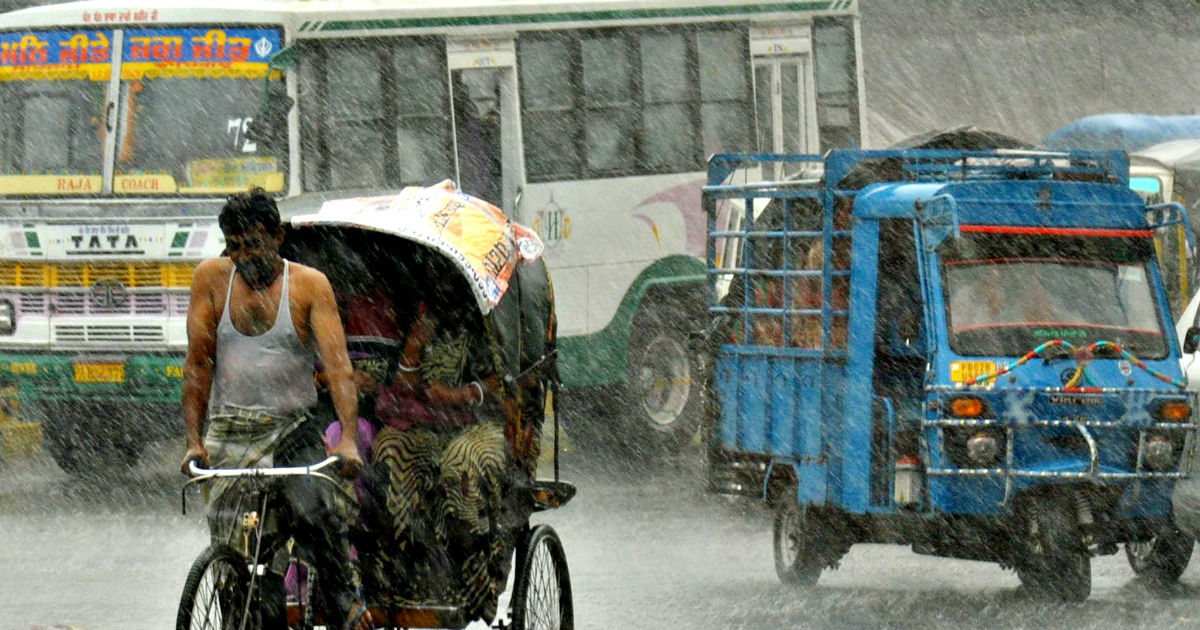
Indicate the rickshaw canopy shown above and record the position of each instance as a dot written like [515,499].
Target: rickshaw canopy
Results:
[476,236]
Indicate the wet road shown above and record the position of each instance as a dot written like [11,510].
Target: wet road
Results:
[645,551]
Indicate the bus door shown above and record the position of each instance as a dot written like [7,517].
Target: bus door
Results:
[784,92]
[486,130]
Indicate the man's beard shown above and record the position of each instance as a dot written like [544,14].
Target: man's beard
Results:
[258,273]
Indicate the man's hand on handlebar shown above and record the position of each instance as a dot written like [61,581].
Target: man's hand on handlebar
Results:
[351,462]
[196,454]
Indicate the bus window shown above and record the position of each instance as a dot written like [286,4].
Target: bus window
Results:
[633,101]
[51,127]
[837,76]
[608,101]
[375,115]
[724,90]
[667,93]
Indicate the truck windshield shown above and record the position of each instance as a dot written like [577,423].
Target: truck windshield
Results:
[1008,306]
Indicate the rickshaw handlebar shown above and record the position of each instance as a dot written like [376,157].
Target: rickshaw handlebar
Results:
[200,474]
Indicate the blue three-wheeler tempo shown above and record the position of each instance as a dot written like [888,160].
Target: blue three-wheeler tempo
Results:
[968,352]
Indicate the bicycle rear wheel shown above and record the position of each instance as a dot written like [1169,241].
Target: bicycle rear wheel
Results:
[542,592]
[215,592]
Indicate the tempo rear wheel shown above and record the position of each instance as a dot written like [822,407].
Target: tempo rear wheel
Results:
[798,560]
[542,592]
[215,592]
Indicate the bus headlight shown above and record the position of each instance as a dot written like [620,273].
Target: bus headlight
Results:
[8,318]
[983,449]
[1158,453]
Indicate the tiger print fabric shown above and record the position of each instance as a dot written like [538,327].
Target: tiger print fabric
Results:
[442,491]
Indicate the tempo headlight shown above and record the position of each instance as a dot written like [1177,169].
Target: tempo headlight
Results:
[8,318]
[983,449]
[1158,453]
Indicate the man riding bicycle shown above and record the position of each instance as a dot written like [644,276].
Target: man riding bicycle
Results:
[248,389]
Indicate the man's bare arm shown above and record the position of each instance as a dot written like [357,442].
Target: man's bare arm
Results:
[330,339]
[201,356]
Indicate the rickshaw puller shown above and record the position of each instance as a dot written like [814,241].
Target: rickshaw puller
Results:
[249,369]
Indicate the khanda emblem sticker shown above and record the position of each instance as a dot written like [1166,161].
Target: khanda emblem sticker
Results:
[263,47]
[552,223]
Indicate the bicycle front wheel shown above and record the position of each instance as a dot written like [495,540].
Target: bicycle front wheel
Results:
[215,592]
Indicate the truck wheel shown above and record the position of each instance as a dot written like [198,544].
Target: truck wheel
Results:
[83,439]
[663,383]
[1163,558]
[1054,562]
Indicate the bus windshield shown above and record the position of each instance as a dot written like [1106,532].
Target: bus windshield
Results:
[1008,306]
[174,124]
[188,135]
[50,127]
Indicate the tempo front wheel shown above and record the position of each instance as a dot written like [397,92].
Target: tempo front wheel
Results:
[542,592]
[1163,558]
[215,592]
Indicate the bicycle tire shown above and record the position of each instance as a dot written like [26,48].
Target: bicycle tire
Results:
[542,592]
[215,591]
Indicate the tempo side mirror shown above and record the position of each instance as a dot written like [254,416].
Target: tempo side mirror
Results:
[1191,340]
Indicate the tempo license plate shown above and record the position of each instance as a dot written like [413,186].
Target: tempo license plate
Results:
[966,371]
[99,372]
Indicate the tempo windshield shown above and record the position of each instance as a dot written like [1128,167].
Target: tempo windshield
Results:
[1008,306]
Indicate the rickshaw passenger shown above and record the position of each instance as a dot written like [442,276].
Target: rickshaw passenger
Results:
[440,464]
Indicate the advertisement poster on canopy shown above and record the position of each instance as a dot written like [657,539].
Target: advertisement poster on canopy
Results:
[478,235]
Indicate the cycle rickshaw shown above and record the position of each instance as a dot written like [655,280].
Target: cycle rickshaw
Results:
[510,289]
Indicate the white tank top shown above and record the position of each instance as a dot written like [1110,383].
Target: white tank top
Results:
[271,373]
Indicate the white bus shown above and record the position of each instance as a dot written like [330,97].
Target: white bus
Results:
[123,126]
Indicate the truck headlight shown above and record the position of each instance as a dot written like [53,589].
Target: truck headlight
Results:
[8,318]
[1158,453]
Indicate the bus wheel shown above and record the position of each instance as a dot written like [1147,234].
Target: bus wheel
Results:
[663,380]
[1054,561]
[1163,558]
[803,542]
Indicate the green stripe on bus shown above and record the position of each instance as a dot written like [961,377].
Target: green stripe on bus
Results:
[31,239]
[577,16]
[180,239]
